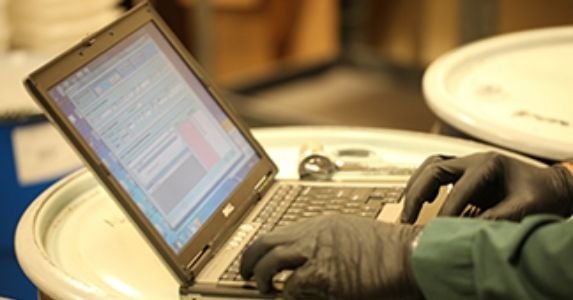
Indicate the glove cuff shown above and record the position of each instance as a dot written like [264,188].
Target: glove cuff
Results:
[568,165]
[414,232]
[566,174]
[415,241]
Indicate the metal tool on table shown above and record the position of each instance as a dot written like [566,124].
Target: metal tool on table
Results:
[317,164]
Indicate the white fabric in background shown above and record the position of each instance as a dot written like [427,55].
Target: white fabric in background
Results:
[52,26]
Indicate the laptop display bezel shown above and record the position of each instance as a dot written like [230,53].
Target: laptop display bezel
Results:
[213,232]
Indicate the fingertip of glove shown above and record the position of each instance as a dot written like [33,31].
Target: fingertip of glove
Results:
[263,286]
[245,274]
[245,269]
[407,217]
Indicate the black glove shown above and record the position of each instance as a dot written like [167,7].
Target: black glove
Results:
[336,257]
[500,186]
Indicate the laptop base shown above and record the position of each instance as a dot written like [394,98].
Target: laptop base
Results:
[206,292]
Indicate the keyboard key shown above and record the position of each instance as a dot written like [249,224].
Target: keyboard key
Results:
[386,195]
[360,195]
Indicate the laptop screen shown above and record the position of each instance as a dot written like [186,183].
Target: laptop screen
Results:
[158,131]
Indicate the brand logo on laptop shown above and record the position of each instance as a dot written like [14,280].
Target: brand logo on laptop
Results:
[228,210]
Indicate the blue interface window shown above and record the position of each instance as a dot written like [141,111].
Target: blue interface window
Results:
[159,132]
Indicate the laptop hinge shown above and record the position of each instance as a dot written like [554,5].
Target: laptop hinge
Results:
[263,184]
[199,261]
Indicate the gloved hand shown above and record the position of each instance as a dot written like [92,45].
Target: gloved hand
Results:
[500,186]
[336,257]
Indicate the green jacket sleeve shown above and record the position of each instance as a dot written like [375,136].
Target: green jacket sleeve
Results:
[478,259]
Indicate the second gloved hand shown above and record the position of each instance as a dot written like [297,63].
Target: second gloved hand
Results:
[501,186]
[336,257]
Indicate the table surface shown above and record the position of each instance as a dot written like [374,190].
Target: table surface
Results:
[73,242]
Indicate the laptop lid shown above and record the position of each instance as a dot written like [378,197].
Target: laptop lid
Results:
[157,134]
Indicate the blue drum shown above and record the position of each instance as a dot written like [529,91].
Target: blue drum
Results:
[32,157]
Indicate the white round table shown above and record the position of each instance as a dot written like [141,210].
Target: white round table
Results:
[74,242]
[512,90]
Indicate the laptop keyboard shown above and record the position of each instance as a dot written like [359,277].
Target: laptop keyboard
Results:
[292,203]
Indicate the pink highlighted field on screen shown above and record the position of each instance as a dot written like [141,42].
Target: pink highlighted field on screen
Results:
[199,144]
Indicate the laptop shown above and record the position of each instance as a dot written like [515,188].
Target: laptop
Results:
[175,156]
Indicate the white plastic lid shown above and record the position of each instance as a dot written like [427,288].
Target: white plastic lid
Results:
[58,10]
[14,68]
[511,90]
[57,35]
